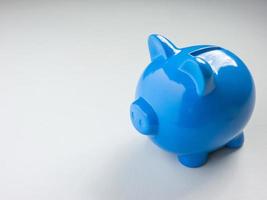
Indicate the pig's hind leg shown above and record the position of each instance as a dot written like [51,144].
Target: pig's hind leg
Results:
[193,160]
[237,142]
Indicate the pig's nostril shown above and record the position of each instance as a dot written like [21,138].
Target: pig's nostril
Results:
[140,122]
[132,115]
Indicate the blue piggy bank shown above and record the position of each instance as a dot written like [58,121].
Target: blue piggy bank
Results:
[193,100]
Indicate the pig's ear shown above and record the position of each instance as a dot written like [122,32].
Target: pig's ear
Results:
[201,73]
[160,46]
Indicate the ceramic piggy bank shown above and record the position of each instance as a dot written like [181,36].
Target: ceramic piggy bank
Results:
[193,100]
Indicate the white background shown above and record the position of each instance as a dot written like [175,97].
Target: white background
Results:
[68,71]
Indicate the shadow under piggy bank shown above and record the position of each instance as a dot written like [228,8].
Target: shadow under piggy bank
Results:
[143,171]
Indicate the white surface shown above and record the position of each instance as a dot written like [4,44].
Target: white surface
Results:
[68,72]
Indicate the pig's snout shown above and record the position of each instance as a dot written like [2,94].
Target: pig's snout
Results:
[144,117]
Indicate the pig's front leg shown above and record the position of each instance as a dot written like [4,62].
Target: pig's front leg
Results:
[237,142]
[193,160]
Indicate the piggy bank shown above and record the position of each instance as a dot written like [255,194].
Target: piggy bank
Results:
[193,100]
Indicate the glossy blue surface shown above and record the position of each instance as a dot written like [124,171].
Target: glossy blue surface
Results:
[193,100]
